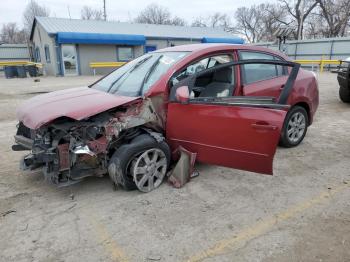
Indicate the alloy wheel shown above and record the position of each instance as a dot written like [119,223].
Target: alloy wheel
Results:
[296,127]
[149,169]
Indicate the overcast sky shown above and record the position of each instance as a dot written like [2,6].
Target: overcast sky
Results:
[123,10]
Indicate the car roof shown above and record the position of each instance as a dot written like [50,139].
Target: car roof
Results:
[209,47]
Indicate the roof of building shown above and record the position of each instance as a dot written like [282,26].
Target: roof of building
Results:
[14,52]
[54,25]
[212,47]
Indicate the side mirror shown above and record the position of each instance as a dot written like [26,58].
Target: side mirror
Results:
[182,94]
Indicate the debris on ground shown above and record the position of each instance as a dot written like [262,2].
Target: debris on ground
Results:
[72,206]
[184,168]
[154,257]
[71,196]
[24,228]
[8,212]
[145,202]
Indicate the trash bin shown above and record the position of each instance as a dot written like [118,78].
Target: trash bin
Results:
[10,71]
[21,71]
[32,70]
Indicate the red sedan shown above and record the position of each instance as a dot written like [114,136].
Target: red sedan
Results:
[230,104]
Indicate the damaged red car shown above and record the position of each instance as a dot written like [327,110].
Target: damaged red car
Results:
[229,104]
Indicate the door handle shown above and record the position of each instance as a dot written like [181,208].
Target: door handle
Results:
[263,126]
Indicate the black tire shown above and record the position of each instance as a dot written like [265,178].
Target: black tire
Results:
[119,164]
[344,94]
[285,141]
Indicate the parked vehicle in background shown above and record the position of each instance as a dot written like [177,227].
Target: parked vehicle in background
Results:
[230,104]
[69,61]
[344,80]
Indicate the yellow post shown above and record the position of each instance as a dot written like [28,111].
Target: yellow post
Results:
[322,65]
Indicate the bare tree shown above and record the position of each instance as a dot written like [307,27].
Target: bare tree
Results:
[273,17]
[157,14]
[88,13]
[178,21]
[314,25]
[259,22]
[32,10]
[200,22]
[249,22]
[336,15]
[11,34]
[299,10]
[219,20]
[215,20]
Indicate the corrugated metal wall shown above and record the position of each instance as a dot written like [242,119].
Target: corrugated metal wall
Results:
[14,52]
[330,48]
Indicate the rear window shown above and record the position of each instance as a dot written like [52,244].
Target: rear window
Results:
[258,72]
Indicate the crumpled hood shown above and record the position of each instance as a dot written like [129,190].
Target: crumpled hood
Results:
[75,103]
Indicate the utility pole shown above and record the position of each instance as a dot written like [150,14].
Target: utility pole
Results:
[69,12]
[104,10]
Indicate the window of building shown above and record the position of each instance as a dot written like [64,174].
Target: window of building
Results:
[125,53]
[47,54]
[37,55]
[150,48]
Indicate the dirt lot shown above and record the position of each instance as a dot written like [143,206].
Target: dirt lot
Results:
[302,213]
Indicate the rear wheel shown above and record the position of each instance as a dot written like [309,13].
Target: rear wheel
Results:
[294,127]
[344,94]
[142,164]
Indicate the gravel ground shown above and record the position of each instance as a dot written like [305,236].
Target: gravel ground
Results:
[302,213]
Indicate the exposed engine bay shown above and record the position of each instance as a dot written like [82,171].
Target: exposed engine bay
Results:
[68,150]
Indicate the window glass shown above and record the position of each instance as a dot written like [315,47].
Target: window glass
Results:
[281,70]
[136,77]
[69,56]
[47,54]
[215,84]
[37,55]
[205,63]
[125,53]
[257,72]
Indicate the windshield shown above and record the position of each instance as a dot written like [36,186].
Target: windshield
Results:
[136,77]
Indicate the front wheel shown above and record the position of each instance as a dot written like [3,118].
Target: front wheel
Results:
[141,164]
[294,127]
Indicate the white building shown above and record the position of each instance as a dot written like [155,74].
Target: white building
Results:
[67,46]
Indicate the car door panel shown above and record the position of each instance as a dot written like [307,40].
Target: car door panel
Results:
[238,132]
[240,137]
[271,87]
[261,80]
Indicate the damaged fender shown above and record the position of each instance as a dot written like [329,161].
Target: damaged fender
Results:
[71,150]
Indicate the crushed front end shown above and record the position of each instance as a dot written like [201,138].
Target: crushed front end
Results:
[68,150]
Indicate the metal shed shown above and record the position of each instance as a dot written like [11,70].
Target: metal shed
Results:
[13,52]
